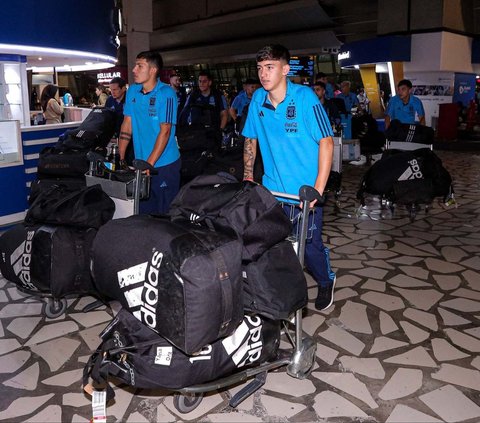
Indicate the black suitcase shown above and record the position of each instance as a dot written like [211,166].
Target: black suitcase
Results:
[48,259]
[136,355]
[181,280]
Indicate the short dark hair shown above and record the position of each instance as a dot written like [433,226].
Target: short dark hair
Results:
[117,80]
[207,74]
[153,58]
[320,75]
[273,52]
[251,81]
[320,84]
[406,83]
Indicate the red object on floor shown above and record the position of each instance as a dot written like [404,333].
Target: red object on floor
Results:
[447,128]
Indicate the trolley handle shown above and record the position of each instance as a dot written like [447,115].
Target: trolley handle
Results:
[142,165]
[306,193]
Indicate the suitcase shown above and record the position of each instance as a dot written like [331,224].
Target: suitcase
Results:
[181,280]
[48,259]
[141,358]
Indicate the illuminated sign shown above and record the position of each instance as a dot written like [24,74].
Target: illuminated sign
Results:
[301,66]
[344,55]
[106,77]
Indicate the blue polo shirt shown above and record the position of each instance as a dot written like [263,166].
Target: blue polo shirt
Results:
[147,112]
[288,136]
[240,101]
[405,113]
[350,100]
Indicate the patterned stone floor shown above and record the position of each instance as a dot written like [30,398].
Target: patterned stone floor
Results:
[400,344]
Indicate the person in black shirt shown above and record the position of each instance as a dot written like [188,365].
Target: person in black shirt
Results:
[328,105]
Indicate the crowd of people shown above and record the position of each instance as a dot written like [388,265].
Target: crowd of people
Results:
[291,124]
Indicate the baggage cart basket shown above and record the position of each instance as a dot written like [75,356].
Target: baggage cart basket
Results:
[299,362]
[127,193]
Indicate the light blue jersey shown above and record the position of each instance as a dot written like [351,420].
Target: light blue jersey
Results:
[350,100]
[405,113]
[240,101]
[147,112]
[288,136]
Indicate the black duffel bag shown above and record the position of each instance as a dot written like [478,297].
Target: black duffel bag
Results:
[48,259]
[39,186]
[275,285]
[181,280]
[223,203]
[141,358]
[87,207]
[421,134]
[197,137]
[53,163]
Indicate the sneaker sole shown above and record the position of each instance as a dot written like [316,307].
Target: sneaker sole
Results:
[333,293]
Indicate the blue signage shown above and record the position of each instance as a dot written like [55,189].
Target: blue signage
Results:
[87,25]
[392,48]
[464,88]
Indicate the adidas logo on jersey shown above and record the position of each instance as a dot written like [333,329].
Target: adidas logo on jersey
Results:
[141,294]
[411,172]
[20,260]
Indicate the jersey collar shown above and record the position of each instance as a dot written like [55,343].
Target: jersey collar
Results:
[266,100]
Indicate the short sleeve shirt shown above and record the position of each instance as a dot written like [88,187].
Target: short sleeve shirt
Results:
[147,111]
[240,101]
[405,113]
[289,136]
[350,100]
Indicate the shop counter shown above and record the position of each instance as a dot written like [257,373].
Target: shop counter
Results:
[19,152]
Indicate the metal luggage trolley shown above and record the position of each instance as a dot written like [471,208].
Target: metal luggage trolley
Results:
[125,193]
[299,362]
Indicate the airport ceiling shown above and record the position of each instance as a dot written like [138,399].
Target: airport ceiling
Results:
[214,31]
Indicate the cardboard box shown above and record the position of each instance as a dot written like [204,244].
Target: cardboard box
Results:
[351,150]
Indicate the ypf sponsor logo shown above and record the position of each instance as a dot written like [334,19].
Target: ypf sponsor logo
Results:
[412,172]
[141,293]
[21,259]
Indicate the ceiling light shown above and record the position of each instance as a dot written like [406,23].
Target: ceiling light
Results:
[40,58]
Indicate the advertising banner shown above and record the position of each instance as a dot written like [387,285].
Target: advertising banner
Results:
[464,88]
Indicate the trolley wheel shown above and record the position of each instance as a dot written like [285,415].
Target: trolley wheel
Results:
[185,403]
[55,307]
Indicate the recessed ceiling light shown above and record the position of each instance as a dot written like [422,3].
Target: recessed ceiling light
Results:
[40,58]
[89,63]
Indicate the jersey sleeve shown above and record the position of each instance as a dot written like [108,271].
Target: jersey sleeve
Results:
[419,107]
[316,120]
[127,108]
[250,130]
[390,108]
[167,112]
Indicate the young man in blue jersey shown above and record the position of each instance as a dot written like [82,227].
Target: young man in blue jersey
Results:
[150,115]
[294,134]
[404,106]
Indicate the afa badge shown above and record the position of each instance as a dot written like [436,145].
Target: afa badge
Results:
[291,112]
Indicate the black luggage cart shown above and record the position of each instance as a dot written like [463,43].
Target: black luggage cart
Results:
[299,362]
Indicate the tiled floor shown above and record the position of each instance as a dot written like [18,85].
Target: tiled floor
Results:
[400,344]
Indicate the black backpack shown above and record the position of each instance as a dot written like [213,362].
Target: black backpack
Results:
[222,203]
[139,357]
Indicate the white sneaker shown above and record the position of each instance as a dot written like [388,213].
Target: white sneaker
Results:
[359,162]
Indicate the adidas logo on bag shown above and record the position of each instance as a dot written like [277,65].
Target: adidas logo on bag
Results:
[412,172]
[20,260]
[142,297]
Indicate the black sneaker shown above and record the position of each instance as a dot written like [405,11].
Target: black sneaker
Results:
[325,296]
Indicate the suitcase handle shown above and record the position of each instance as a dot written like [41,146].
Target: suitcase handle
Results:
[308,193]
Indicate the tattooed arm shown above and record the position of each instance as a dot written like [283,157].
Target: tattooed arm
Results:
[249,154]
[125,136]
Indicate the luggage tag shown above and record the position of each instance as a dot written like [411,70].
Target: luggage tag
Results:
[99,403]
